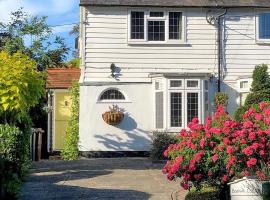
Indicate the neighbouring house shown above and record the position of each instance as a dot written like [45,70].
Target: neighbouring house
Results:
[59,80]
[162,61]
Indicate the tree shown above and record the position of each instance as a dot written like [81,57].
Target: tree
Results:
[21,85]
[40,48]
[260,88]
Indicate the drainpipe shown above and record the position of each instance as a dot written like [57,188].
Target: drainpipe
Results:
[212,19]
[219,41]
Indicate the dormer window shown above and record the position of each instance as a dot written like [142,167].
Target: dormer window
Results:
[155,26]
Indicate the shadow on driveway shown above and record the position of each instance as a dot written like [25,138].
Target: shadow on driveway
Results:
[113,178]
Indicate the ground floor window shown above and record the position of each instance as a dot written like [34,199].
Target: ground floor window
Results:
[183,99]
[244,86]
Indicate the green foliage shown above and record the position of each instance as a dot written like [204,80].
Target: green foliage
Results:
[206,193]
[261,80]
[238,114]
[74,63]
[70,150]
[256,97]
[221,99]
[41,49]
[14,157]
[260,88]
[161,141]
[21,85]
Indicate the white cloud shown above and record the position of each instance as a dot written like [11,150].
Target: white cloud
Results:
[37,7]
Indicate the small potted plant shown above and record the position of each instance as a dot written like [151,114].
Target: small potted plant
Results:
[114,116]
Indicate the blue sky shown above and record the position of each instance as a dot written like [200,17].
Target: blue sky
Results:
[59,12]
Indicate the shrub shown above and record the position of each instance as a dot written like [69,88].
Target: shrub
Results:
[161,141]
[261,80]
[219,154]
[260,88]
[14,157]
[221,99]
[71,150]
[206,193]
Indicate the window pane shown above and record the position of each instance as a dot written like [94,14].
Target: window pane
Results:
[175,83]
[112,95]
[159,110]
[192,106]
[192,84]
[264,26]
[156,30]
[244,84]
[156,14]
[206,104]
[175,25]
[176,109]
[137,25]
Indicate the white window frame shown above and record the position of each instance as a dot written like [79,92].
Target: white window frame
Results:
[257,24]
[173,128]
[199,105]
[175,88]
[184,90]
[193,88]
[243,90]
[165,18]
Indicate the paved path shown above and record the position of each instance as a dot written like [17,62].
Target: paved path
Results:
[101,179]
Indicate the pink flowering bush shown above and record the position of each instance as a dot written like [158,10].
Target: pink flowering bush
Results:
[221,150]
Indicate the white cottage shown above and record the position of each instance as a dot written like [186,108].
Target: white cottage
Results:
[162,61]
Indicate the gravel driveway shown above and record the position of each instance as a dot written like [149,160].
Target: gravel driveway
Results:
[105,178]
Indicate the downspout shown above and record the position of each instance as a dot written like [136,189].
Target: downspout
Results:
[211,19]
[219,40]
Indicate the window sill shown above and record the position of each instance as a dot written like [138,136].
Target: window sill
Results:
[262,42]
[112,102]
[131,43]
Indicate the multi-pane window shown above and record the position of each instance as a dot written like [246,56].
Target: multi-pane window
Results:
[176,109]
[264,26]
[112,94]
[137,25]
[175,25]
[192,105]
[157,26]
[188,98]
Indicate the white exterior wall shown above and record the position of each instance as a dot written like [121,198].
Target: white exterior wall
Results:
[105,41]
[133,134]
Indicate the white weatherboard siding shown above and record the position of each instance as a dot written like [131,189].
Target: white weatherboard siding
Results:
[241,49]
[105,41]
[133,134]
[106,34]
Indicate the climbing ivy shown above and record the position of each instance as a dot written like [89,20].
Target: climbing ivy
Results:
[71,150]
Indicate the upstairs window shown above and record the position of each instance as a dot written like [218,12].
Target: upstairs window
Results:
[263,27]
[155,26]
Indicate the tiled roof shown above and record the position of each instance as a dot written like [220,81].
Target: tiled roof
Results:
[62,78]
[179,3]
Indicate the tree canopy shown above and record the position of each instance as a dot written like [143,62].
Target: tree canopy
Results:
[21,85]
[47,50]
